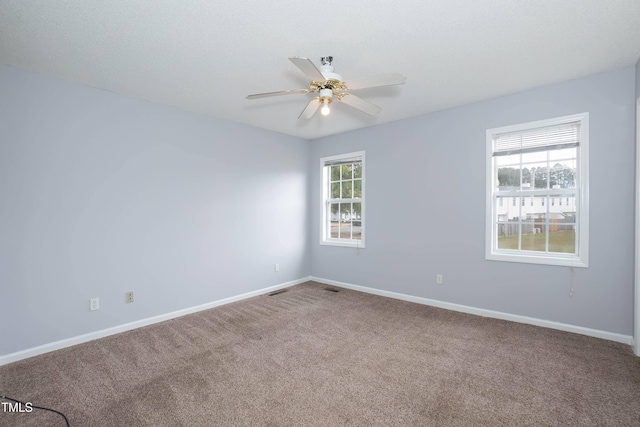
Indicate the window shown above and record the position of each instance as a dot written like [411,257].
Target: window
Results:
[343,200]
[543,160]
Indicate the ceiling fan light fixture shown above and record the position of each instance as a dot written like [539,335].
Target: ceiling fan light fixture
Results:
[325,110]
[327,83]
[325,98]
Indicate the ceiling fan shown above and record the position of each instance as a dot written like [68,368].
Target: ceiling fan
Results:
[327,84]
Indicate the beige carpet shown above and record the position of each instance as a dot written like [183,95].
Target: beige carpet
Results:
[312,357]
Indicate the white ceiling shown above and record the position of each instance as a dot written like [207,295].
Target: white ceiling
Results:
[206,56]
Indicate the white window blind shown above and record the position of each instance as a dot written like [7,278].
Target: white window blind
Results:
[346,161]
[556,137]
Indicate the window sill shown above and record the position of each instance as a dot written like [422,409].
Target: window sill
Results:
[544,259]
[344,243]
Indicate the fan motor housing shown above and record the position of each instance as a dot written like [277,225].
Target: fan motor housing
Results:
[335,85]
[327,73]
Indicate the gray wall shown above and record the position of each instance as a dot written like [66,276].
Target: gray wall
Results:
[425,208]
[638,79]
[101,194]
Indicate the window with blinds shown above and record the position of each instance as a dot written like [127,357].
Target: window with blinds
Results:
[342,204]
[540,162]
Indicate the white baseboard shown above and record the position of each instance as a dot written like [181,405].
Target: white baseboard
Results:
[45,348]
[611,336]
[24,354]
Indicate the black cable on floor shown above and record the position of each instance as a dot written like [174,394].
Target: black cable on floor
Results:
[38,407]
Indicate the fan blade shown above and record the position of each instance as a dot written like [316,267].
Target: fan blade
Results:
[378,80]
[310,109]
[282,92]
[360,104]
[306,66]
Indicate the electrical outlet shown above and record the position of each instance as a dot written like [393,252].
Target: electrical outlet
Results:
[439,279]
[94,304]
[277,267]
[129,296]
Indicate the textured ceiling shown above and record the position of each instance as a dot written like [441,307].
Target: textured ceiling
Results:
[206,56]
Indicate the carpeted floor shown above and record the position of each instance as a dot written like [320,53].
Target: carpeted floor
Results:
[313,357]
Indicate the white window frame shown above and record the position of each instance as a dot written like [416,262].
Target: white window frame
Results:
[325,236]
[581,258]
